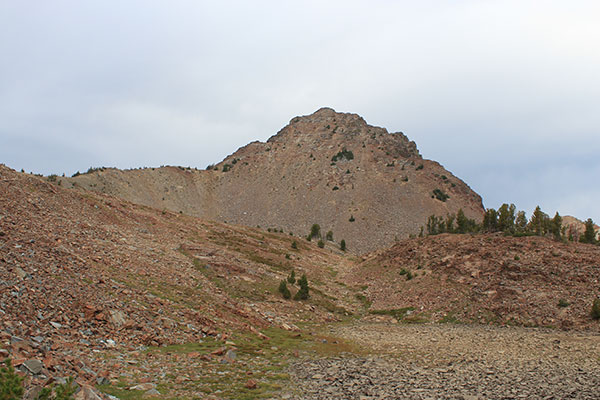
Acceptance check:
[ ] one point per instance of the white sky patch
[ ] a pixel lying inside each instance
(498, 92)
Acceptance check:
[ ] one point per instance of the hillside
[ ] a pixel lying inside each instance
(86, 277)
(139, 302)
(325, 168)
(484, 278)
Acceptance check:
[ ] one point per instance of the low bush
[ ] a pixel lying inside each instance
(283, 289)
(596, 309)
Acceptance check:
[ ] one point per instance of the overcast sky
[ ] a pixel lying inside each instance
(504, 94)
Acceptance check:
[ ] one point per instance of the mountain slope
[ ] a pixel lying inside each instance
(327, 168)
(485, 278)
(83, 273)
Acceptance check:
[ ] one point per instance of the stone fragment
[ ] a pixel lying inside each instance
(117, 317)
(251, 384)
(143, 386)
(87, 393)
(34, 366)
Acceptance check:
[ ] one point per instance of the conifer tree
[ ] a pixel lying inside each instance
(538, 222)
(589, 236)
(521, 222)
(556, 226)
(462, 222)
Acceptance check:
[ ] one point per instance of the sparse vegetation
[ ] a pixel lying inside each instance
(302, 293)
(292, 278)
(344, 154)
(562, 303)
(589, 236)
(315, 231)
(596, 309)
(11, 384)
(283, 289)
(440, 195)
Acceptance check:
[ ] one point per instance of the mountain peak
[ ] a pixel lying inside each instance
(329, 115)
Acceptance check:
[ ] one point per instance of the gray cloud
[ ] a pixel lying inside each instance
(504, 94)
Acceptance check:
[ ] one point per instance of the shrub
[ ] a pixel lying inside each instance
(343, 245)
(315, 231)
(302, 294)
(351, 218)
(11, 384)
(294, 245)
(292, 277)
(440, 195)
(562, 303)
(283, 289)
(348, 155)
(409, 276)
(226, 167)
(329, 236)
(320, 243)
(596, 309)
(419, 167)
(336, 188)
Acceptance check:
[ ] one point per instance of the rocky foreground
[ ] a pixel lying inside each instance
(457, 362)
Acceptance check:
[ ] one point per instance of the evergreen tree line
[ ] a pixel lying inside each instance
(512, 222)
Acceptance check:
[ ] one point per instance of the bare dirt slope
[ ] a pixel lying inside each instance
(484, 278)
(327, 168)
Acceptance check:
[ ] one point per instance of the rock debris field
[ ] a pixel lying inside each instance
(456, 362)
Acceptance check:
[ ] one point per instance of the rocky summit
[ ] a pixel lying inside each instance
(366, 185)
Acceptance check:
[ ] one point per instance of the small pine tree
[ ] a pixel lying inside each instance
(521, 222)
(450, 223)
(321, 243)
(556, 226)
(329, 236)
(343, 245)
(506, 217)
(65, 391)
(596, 309)
(351, 218)
(292, 278)
(11, 384)
(539, 222)
(462, 222)
(315, 231)
(589, 236)
(294, 245)
(283, 289)
(490, 220)
(302, 294)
